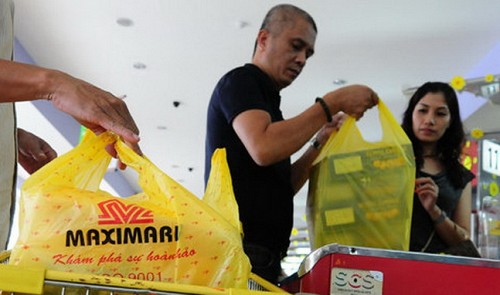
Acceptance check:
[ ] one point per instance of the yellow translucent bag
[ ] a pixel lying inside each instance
(360, 192)
(164, 233)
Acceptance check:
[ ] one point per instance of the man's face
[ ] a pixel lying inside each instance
(287, 52)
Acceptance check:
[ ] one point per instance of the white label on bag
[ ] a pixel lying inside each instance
(339, 216)
(348, 165)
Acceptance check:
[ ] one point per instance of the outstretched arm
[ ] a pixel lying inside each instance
(91, 106)
(270, 142)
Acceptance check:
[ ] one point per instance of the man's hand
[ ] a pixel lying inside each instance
(96, 109)
(327, 129)
(353, 100)
(91, 106)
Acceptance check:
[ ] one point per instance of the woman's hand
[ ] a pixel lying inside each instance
(427, 191)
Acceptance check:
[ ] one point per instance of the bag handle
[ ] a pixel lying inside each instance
(390, 126)
(152, 180)
(70, 171)
(349, 129)
(219, 194)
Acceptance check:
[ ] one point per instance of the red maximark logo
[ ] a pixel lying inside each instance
(116, 212)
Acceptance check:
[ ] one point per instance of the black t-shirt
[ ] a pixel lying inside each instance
(422, 226)
(264, 194)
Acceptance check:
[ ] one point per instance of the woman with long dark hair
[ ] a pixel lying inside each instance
(442, 203)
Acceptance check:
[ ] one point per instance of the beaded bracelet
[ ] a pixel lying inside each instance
(325, 108)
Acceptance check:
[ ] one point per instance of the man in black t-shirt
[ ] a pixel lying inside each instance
(244, 117)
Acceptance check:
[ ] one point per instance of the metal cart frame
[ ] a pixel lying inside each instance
(22, 280)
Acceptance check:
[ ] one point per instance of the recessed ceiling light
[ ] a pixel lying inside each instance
(339, 82)
(139, 66)
(242, 24)
(124, 22)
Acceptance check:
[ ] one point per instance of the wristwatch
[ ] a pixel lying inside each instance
(441, 218)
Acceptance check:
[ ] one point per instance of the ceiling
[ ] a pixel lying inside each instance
(184, 47)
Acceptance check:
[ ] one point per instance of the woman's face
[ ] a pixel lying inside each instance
(431, 117)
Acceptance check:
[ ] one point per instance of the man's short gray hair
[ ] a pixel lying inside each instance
(282, 14)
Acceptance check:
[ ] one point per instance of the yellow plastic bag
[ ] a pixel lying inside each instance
(163, 234)
(360, 192)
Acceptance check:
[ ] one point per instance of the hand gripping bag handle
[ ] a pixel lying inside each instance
(349, 137)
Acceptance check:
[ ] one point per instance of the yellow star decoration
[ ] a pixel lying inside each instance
(467, 162)
(489, 78)
(493, 189)
(458, 83)
(476, 133)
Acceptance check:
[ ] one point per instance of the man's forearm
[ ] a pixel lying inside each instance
(301, 168)
(23, 82)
